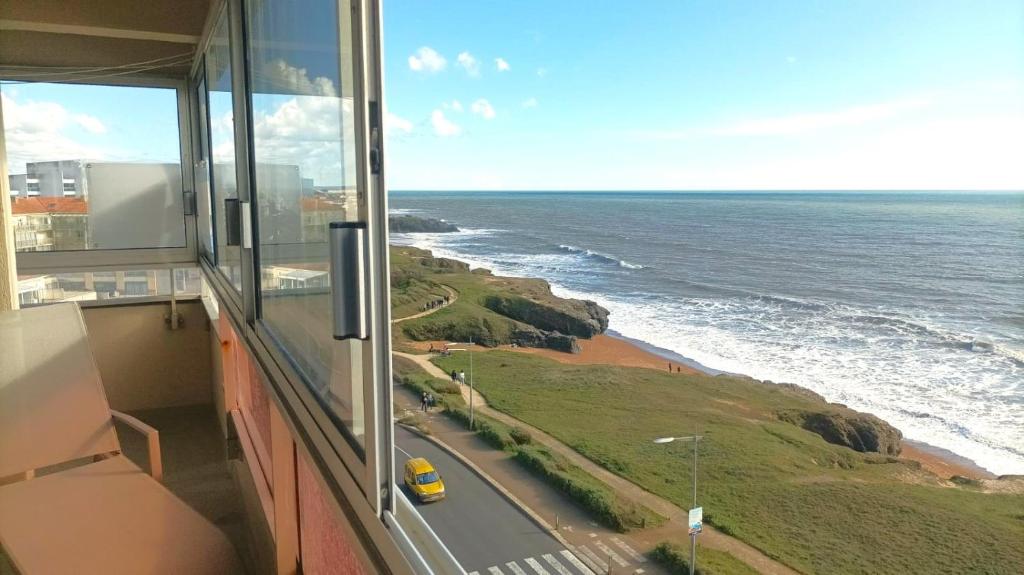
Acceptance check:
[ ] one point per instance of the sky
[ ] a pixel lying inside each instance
(651, 95)
(705, 95)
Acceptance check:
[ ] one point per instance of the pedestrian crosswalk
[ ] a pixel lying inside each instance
(597, 557)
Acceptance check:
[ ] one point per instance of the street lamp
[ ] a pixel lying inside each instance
(693, 534)
(470, 350)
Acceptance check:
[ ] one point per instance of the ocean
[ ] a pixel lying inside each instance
(906, 305)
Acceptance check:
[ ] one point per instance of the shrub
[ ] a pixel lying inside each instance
(673, 558)
(676, 560)
(521, 436)
(594, 496)
(494, 433)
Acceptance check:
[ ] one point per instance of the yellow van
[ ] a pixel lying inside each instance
(423, 480)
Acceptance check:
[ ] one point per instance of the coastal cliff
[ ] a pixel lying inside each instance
(489, 310)
(416, 224)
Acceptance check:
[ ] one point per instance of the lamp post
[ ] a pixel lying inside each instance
(693, 535)
(471, 394)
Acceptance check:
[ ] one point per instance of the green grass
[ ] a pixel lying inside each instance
(593, 495)
(596, 497)
(817, 507)
(415, 276)
(676, 560)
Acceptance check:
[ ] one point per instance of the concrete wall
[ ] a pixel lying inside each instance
(146, 365)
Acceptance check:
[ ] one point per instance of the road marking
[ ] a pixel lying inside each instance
(629, 550)
(537, 566)
(407, 454)
(556, 564)
(515, 568)
(611, 553)
(596, 563)
(638, 572)
(575, 562)
(473, 573)
(495, 571)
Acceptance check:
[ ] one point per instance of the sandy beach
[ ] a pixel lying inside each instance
(610, 350)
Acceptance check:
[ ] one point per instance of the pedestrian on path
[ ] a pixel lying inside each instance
(423, 402)
(670, 367)
(462, 377)
(455, 376)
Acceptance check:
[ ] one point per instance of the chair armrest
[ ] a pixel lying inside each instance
(156, 468)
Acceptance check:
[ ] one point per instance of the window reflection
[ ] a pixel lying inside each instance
(84, 175)
(302, 108)
(222, 146)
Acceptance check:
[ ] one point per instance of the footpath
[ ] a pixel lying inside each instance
(452, 296)
(573, 524)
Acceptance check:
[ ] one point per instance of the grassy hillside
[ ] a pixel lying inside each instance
(818, 507)
(490, 310)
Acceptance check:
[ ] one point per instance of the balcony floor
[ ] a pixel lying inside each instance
(195, 464)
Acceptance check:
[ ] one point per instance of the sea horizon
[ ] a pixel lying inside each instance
(915, 363)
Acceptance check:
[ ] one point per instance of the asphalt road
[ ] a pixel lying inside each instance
(479, 526)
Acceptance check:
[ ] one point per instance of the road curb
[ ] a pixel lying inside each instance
(533, 515)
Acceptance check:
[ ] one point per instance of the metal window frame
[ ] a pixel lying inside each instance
(360, 481)
(152, 258)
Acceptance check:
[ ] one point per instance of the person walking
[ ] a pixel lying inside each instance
(670, 367)
(423, 402)
(455, 376)
(462, 377)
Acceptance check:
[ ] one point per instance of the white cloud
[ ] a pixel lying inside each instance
(541, 72)
(501, 65)
(530, 103)
(483, 108)
(791, 59)
(796, 124)
(393, 124)
(279, 77)
(426, 59)
(804, 123)
(470, 64)
(309, 132)
(36, 131)
(92, 124)
(454, 105)
(443, 126)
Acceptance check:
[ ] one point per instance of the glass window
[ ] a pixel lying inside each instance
(93, 286)
(304, 151)
(222, 147)
(101, 166)
(201, 145)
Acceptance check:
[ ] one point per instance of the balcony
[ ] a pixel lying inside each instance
(203, 309)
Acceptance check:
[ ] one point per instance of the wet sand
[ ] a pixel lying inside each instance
(611, 351)
(942, 462)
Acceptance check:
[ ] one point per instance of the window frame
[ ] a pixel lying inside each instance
(184, 256)
(364, 485)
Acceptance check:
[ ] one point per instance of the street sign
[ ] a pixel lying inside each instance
(696, 519)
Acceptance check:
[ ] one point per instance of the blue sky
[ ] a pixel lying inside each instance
(63, 122)
(705, 95)
(644, 95)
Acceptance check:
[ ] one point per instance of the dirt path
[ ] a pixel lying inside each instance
(711, 537)
(453, 295)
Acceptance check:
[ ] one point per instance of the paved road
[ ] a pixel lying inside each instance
(484, 531)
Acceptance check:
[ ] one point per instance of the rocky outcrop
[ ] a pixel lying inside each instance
(859, 431)
(532, 337)
(581, 318)
(415, 224)
(443, 265)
